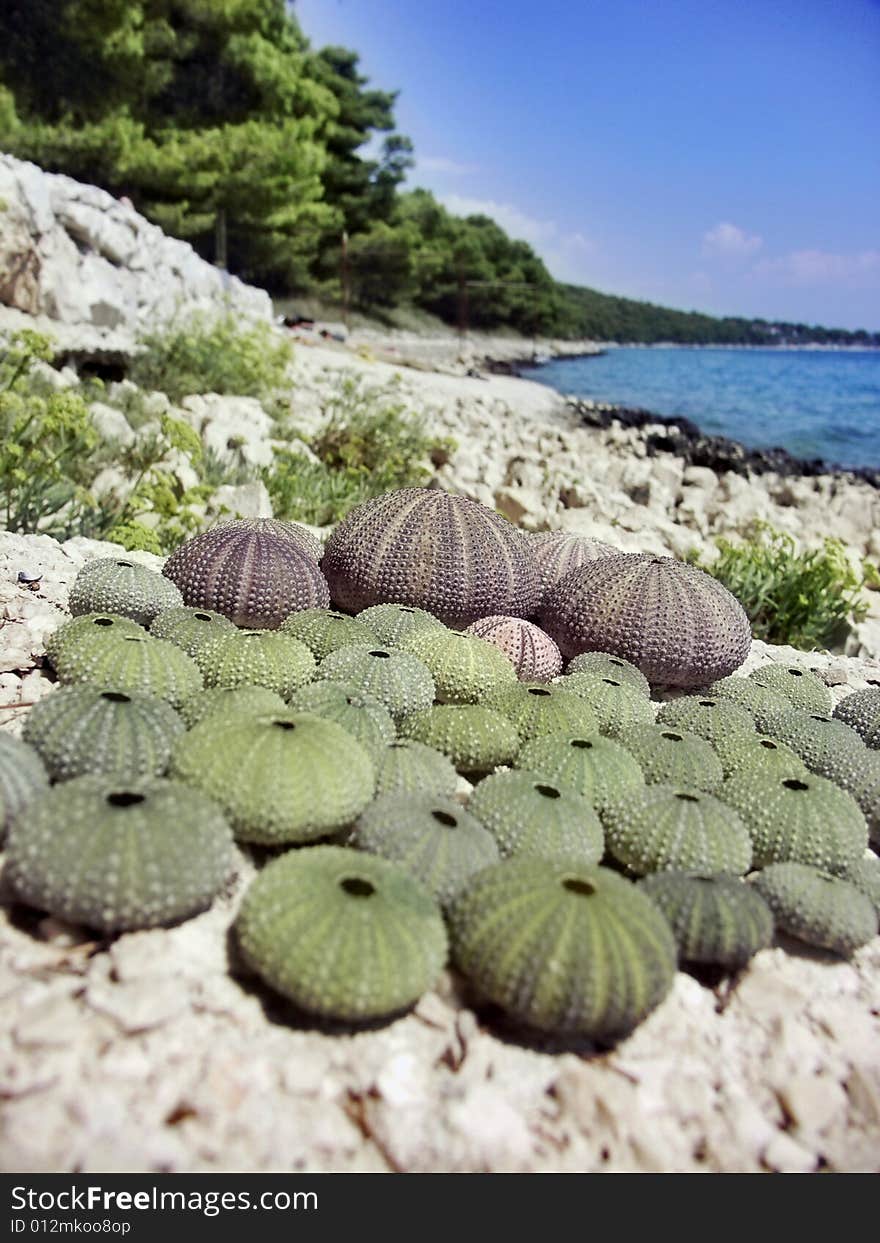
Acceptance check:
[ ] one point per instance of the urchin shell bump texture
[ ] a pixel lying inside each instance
(673, 756)
(861, 711)
(410, 767)
(475, 738)
(617, 705)
(715, 720)
(606, 665)
(359, 714)
(758, 753)
(325, 630)
(397, 679)
(563, 948)
(465, 669)
(129, 662)
(560, 552)
(266, 658)
(714, 919)
(390, 623)
(229, 701)
(87, 626)
(680, 626)
(115, 585)
(435, 839)
(538, 710)
(528, 815)
(255, 571)
(675, 828)
(797, 819)
(816, 907)
(828, 747)
(119, 855)
(447, 554)
(79, 730)
(285, 777)
(343, 935)
(599, 769)
(766, 706)
(533, 654)
(23, 777)
(796, 683)
(189, 628)
(865, 875)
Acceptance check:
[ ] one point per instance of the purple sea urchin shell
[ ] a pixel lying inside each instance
(534, 655)
(427, 548)
(560, 552)
(255, 571)
(680, 626)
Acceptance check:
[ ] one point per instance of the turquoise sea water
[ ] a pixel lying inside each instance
(814, 404)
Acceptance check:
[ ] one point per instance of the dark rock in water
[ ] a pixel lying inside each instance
(684, 438)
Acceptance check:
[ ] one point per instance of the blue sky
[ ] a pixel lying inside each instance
(714, 154)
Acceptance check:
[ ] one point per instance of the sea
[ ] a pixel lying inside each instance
(814, 403)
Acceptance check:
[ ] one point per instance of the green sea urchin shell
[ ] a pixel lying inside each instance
(560, 552)
(119, 855)
(390, 623)
(475, 738)
(562, 947)
(829, 748)
(409, 767)
(605, 665)
(865, 875)
(114, 585)
(816, 907)
(359, 714)
(281, 778)
(230, 701)
(599, 769)
(714, 919)
(527, 815)
(617, 705)
(766, 706)
(861, 780)
(256, 658)
(676, 829)
(861, 711)
(465, 669)
(680, 626)
(797, 684)
(324, 631)
(255, 571)
(533, 654)
(344, 935)
(797, 819)
(427, 548)
(435, 839)
(23, 778)
(189, 628)
(397, 679)
(715, 720)
(80, 730)
(130, 662)
(87, 626)
(538, 710)
(673, 757)
(758, 753)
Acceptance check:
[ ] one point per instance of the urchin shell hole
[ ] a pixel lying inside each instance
(792, 783)
(610, 682)
(707, 703)
(382, 655)
(768, 744)
(795, 673)
(125, 798)
(126, 565)
(202, 617)
(134, 638)
(538, 690)
(103, 621)
(357, 887)
(582, 744)
(445, 818)
(116, 697)
(574, 884)
(548, 791)
(284, 724)
(672, 737)
(687, 798)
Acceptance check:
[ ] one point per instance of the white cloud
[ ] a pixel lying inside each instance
(728, 241)
(442, 164)
(821, 267)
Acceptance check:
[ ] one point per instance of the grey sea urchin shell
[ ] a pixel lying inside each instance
(115, 585)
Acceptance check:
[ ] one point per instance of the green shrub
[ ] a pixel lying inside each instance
(210, 354)
(807, 599)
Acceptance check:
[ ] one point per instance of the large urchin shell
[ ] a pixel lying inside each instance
(80, 730)
(114, 585)
(435, 839)
(758, 753)
(270, 658)
(130, 662)
(796, 683)
(324, 631)
(663, 828)
(816, 907)
(528, 815)
(617, 705)
(475, 738)
(797, 819)
(766, 706)
(680, 626)
(189, 628)
(85, 627)
(599, 769)
(828, 747)
(397, 679)
(560, 552)
(358, 713)
(861, 711)
(715, 720)
(255, 571)
(281, 778)
(410, 767)
(344, 935)
(465, 669)
(118, 855)
(537, 710)
(447, 554)
(23, 778)
(563, 947)
(670, 756)
(533, 654)
(714, 919)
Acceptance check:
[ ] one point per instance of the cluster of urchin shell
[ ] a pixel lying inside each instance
(596, 841)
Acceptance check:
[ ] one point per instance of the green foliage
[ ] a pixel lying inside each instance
(210, 354)
(369, 445)
(806, 599)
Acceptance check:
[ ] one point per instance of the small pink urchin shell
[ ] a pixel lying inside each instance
(533, 653)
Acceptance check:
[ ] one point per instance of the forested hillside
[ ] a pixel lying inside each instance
(221, 122)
